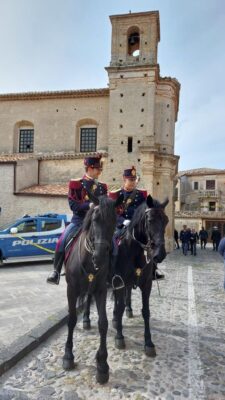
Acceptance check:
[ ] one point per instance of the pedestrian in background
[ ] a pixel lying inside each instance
(185, 237)
(216, 237)
(193, 241)
(221, 250)
(203, 236)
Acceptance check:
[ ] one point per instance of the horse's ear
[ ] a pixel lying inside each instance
(149, 201)
(166, 201)
(119, 200)
(93, 198)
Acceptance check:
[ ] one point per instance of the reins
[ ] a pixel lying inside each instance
(89, 247)
(146, 247)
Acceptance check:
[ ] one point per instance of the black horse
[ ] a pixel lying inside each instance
(141, 248)
(86, 273)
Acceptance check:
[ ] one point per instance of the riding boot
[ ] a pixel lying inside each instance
(155, 273)
(117, 280)
(54, 276)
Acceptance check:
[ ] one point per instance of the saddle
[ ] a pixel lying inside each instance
(70, 242)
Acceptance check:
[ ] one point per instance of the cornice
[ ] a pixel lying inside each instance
(65, 94)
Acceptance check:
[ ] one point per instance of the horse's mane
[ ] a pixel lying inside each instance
(106, 208)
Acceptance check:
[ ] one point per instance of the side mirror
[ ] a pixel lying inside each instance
(13, 231)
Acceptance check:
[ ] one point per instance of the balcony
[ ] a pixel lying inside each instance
(209, 194)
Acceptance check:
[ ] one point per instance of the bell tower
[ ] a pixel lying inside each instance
(143, 107)
(135, 39)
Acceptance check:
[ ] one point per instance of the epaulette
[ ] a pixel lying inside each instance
(75, 183)
(103, 184)
(113, 194)
(144, 192)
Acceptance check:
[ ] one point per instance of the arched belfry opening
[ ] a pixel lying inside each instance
(133, 42)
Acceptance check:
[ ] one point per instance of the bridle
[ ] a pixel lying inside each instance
(148, 247)
(90, 247)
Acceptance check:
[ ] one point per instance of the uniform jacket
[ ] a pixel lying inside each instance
(131, 201)
(78, 196)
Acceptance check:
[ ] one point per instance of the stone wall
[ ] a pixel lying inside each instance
(55, 122)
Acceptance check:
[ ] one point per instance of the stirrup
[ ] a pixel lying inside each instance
(158, 276)
(121, 286)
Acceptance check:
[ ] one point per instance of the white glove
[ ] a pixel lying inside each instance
(126, 222)
(91, 204)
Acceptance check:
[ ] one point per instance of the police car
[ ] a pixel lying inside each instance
(31, 238)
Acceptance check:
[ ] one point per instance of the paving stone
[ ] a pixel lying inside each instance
(188, 330)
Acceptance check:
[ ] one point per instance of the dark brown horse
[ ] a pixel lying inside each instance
(86, 273)
(143, 245)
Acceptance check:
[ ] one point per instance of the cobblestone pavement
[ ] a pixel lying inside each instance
(188, 331)
(26, 299)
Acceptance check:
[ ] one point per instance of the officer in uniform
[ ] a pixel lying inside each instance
(79, 203)
(133, 198)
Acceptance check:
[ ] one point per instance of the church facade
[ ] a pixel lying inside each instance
(44, 136)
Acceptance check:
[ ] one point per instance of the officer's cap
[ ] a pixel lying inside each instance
(130, 173)
(93, 161)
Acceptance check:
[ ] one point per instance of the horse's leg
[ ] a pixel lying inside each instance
(102, 375)
(68, 358)
(149, 345)
(129, 311)
(86, 315)
(114, 320)
(119, 310)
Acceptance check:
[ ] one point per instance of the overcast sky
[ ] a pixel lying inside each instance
(65, 44)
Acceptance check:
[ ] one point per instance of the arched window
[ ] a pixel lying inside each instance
(133, 42)
(24, 137)
(86, 140)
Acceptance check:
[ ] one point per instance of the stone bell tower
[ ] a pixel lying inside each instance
(143, 108)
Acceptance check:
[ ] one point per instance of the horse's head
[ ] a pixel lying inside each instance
(102, 221)
(155, 224)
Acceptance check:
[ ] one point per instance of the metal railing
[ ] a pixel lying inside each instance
(209, 194)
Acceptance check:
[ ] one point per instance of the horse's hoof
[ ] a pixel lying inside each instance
(68, 364)
(150, 351)
(120, 343)
(129, 314)
(102, 377)
(114, 323)
(87, 325)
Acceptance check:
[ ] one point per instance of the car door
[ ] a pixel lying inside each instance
(22, 243)
(49, 231)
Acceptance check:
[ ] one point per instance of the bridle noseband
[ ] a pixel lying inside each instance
(148, 246)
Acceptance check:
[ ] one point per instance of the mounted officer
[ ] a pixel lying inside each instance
(133, 198)
(79, 202)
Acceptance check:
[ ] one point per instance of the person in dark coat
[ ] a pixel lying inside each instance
(185, 238)
(79, 202)
(193, 241)
(221, 250)
(203, 236)
(216, 237)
